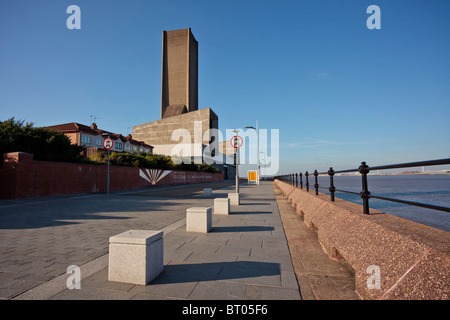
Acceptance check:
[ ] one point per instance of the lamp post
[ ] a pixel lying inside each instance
(236, 159)
(257, 151)
(264, 157)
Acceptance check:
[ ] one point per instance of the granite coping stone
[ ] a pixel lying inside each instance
(413, 259)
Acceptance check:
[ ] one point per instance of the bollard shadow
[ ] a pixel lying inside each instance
(220, 195)
(241, 229)
(213, 271)
(66, 210)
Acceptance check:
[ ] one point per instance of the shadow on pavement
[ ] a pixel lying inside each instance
(241, 229)
(180, 273)
(250, 212)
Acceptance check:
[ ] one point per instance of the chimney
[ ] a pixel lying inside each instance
(94, 126)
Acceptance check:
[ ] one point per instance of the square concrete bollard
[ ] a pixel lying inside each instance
(198, 219)
(222, 206)
(234, 199)
(136, 256)
(207, 192)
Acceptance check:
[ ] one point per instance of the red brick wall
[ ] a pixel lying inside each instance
(23, 177)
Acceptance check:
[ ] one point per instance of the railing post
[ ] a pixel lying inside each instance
(296, 180)
(316, 184)
(332, 188)
(301, 181)
(365, 194)
(307, 182)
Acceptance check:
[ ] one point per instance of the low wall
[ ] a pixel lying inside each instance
(23, 177)
(393, 258)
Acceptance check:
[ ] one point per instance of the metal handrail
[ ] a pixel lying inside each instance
(296, 180)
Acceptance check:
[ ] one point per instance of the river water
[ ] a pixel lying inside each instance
(429, 189)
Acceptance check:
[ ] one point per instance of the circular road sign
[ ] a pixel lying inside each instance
(236, 142)
(108, 143)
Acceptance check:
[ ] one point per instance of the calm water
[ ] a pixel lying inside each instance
(429, 189)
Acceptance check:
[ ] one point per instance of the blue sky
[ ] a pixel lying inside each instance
(338, 92)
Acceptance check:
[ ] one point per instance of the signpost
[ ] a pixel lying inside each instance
(257, 150)
(108, 143)
(236, 142)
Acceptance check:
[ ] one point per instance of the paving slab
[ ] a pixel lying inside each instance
(261, 251)
(244, 256)
(319, 277)
(41, 237)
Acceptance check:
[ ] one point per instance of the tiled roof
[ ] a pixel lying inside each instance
(130, 139)
(78, 127)
(73, 127)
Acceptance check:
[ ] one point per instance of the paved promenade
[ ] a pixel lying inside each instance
(244, 256)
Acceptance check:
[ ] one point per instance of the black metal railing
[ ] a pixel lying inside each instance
(297, 180)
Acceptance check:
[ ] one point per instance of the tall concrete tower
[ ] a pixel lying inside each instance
(179, 101)
(179, 85)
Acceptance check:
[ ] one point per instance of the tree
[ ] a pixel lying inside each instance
(44, 144)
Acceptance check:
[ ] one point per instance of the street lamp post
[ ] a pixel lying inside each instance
(257, 151)
(236, 159)
(264, 157)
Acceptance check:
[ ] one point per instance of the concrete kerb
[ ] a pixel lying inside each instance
(319, 277)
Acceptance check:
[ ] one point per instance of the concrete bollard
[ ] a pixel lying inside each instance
(207, 192)
(198, 219)
(222, 206)
(234, 199)
(136, 256)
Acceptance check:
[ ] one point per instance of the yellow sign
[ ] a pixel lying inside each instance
(252, 176)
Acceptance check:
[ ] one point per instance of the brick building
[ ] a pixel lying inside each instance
(92, 138)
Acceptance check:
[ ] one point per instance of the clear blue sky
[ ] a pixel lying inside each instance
(338, 92)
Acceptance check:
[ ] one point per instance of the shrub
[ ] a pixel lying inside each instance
(44, 144)
(147, 160)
